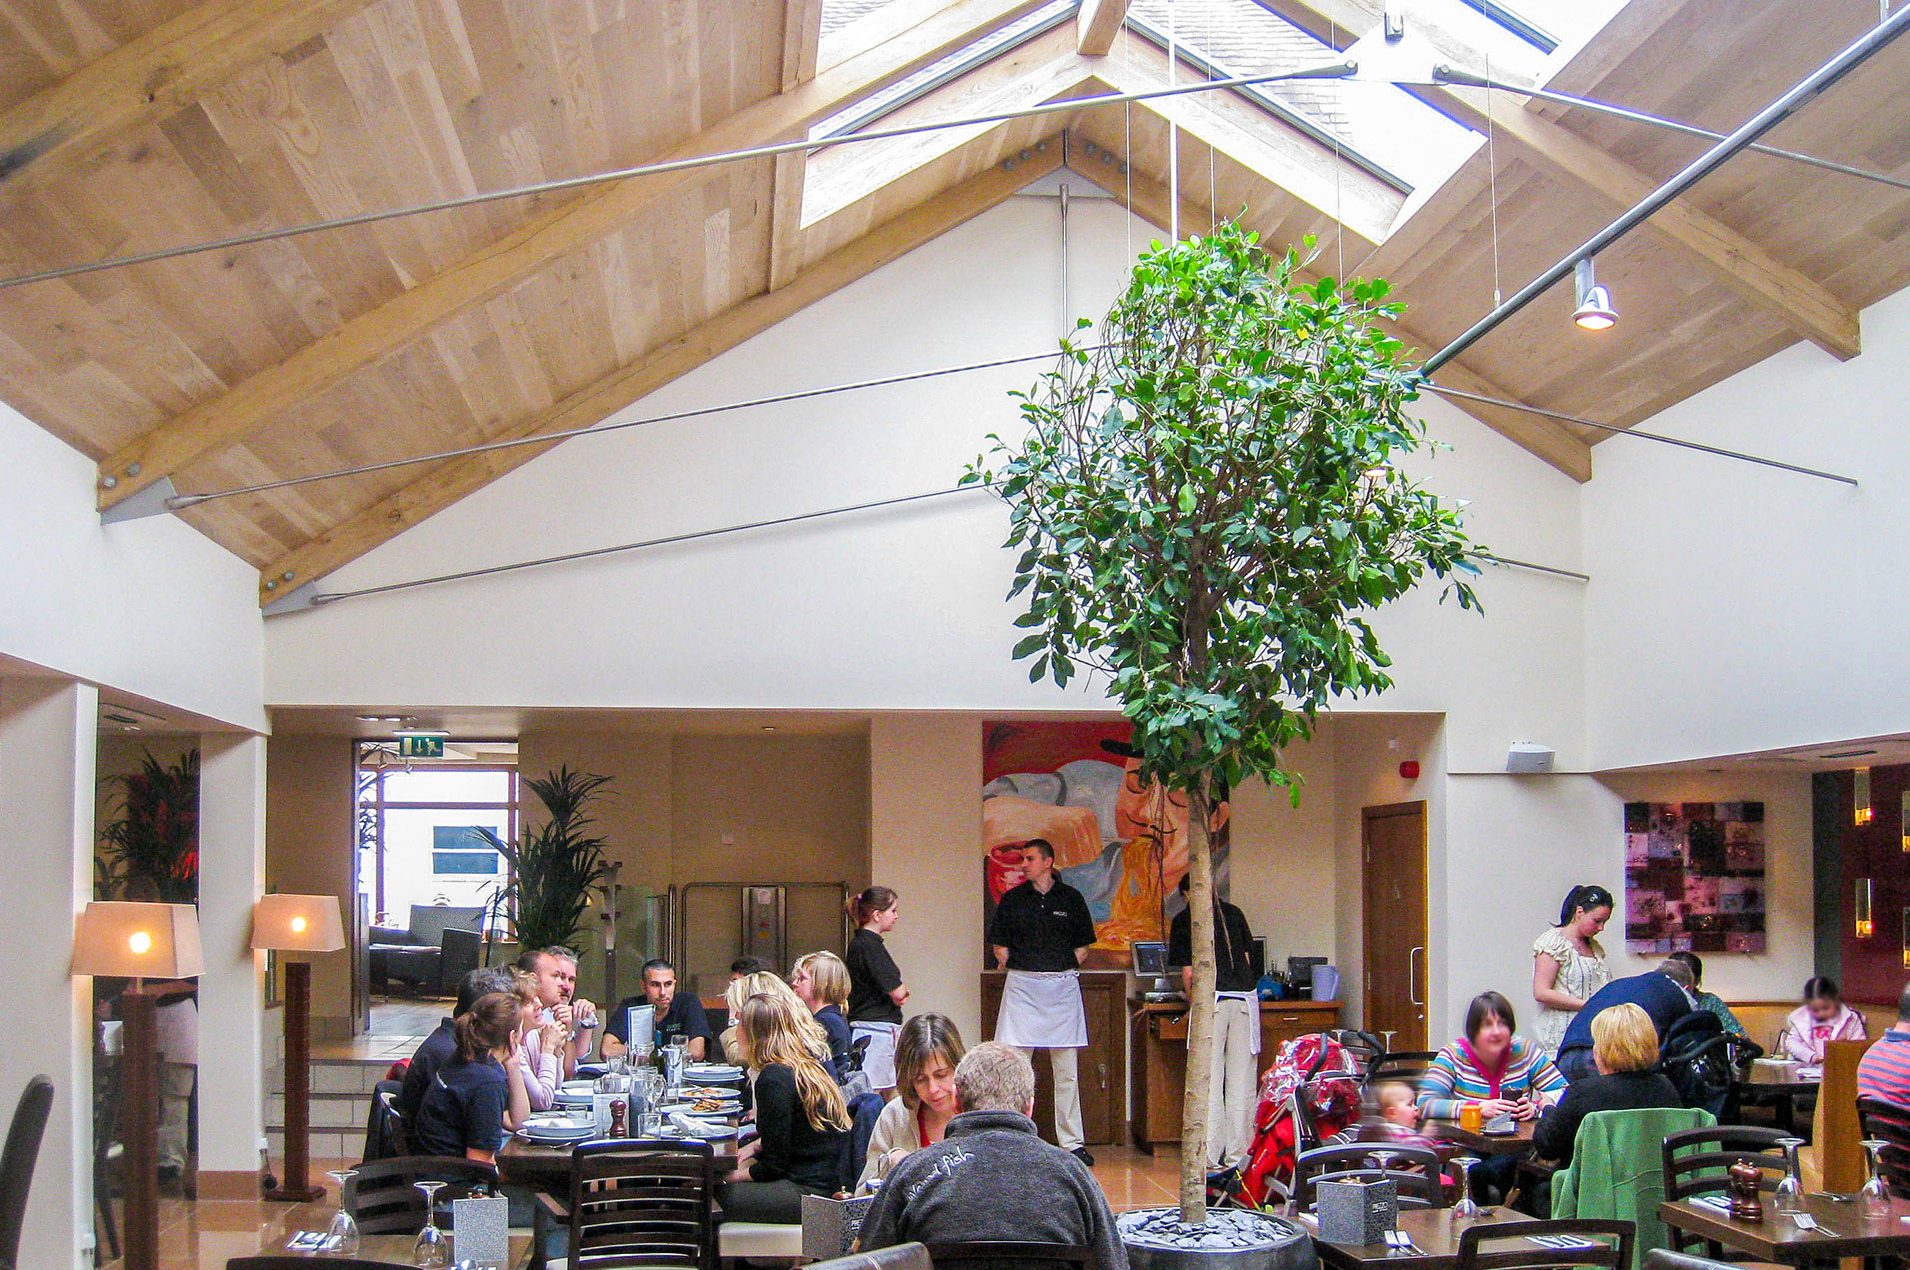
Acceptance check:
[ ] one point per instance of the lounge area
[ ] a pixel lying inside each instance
(954, 634)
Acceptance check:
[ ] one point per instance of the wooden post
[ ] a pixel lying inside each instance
(139, 1125)
(296, 1186)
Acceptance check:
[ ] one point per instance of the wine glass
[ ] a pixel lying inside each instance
(1874, 1199)
(433, 1249)
(341, 1237)
(1789, 1195)
(1465, 1209)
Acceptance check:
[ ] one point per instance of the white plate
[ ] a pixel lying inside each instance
(713, 1071)
(714, 1133)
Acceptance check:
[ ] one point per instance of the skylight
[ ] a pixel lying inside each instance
(1548, 24)
(837, 14)
(1383, 129)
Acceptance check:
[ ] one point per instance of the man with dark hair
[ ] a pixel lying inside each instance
(555, 971)
(743, 967)
(1041, 932)
(677, 1013)
(1664, 993)
(1233, 1085)
(1884, 1070)
(443, 1043)
(992, 1178)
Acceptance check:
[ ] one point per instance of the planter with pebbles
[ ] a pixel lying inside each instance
(1230, 1239)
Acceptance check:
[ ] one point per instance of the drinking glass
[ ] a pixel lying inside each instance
(1789, 1196)
(433, 1249)
(1465, 1209)
(341, 1237)
(1874, 1199)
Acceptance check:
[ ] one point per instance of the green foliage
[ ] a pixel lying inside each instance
(555, 865)
(150, 849)
(1208, 507)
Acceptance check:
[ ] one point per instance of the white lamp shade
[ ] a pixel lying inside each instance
(138, 941)
(297, 923)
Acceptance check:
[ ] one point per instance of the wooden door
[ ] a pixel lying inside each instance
(1396, 968)
(1101, 1068)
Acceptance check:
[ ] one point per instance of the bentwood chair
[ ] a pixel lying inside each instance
(981, 1253)
(1407, 1066)
(1889, 1122)
(1414, 1169)
(642, 1203)
(1695, 1161)
(22, 1152)
(1606, 1244)
(382, 1198)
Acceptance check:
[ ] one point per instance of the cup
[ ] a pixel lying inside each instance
(1471, 1117)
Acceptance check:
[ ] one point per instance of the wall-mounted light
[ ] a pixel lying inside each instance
(1906, 939)
(1594, 311)
(1862, 814)
(1865, 926)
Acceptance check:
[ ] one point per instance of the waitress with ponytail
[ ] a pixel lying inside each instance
(1568, 965)
(876, 991)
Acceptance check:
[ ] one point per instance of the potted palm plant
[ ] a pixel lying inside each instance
(150, 848)
(1207, 506)
(552, 868)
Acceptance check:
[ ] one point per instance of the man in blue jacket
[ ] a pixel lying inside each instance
(1664, 994)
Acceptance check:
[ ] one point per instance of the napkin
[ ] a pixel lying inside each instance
(691, 1127)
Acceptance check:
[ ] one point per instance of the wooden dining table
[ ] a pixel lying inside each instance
(1518, 1142)
(1845, 1231)
(1435, 1231)
(1782, 1084)
(395, 1248)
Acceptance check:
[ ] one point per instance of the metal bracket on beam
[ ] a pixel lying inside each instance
(297, 600)
(154, 500)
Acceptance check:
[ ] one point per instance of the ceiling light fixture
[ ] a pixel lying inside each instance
(1594, 311)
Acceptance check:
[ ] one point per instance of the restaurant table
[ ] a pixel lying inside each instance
(1782, 1083)
(1435, 1230)
(1518, 1142)
(288, 1221)
(539, 1167)
(1846, 1231)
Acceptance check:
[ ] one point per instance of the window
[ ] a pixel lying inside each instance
(415, 830)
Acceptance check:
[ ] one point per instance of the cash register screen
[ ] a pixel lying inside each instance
(1150, 957)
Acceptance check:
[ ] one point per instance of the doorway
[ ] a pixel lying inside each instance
(1397, 974)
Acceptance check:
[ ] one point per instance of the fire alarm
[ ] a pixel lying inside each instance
(1409, 770)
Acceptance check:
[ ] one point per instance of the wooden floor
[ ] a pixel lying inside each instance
(203, 1235)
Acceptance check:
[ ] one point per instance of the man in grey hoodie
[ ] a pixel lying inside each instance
(992, 1178)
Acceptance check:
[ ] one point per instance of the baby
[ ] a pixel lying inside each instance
(1397, 1106)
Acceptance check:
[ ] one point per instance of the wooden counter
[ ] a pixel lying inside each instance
(1157, 1033)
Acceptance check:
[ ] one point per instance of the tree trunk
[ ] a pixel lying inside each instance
(1200, 1030)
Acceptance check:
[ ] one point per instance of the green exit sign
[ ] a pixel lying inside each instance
(420, 747)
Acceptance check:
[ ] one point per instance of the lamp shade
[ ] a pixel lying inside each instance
(297, 923)
(138, 941)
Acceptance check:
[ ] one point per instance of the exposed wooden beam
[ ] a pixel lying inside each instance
(445, 485)
(1550, 441)
(1734, 258)
(1096, 25)
(250, 404)
(802, 35)
(150, 78)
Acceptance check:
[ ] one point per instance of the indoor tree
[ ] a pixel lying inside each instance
(1208, 507)
(554, 866)
(150, 848)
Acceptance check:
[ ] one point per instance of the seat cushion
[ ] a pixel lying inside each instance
(758, 1239)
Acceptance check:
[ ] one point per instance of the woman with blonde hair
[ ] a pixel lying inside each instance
(926, 1053)
(821, 981)
(1625, 1051)
(768, 983)
(801, 1119)
(540, 1046)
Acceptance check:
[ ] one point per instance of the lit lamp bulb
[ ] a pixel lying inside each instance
(298, 925)
(140, 942)
(1594, 311)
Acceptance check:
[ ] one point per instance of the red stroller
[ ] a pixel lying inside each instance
(1311, 1092)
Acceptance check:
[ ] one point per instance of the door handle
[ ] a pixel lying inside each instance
(1412, 974)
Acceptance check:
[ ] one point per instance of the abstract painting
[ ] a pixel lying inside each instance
(1694, 877)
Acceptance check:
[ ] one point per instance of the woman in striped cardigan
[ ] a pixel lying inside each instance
(1502, 1072)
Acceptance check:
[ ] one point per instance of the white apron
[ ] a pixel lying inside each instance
(1041, 1010)
(1253, 1017)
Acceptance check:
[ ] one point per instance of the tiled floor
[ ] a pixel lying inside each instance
(397, 1028)
(205, 1234)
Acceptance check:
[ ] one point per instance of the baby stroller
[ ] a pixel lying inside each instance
(1311, 1092)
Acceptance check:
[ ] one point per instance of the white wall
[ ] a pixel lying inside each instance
(1738, 608)
(150, 607)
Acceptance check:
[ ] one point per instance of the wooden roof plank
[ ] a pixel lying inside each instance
(1096, 25)
(374, 335)
(457, 478)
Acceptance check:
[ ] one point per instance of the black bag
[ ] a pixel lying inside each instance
(1695, 1055)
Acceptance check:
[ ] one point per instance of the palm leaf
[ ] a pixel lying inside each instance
(553, 867)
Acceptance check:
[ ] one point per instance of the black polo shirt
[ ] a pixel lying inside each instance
(463, 1108)
(685, 1018)
(1041, 931)
(1233, 947)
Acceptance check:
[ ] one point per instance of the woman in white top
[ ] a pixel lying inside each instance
(539, 1052)
(926, 1052)
(1567, 963)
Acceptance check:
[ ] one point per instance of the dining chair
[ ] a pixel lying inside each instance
(1605, 1243)
(642, 1203)
(1401, 1065)
(1665, 1259)
(894, 1257)
(1889, 1122)
(1414, 1169)
(17, 1161)
(383, 1199)
(299, 1261)
(1695, 1161)
(975, 1254)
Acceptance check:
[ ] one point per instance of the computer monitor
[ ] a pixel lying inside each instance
(1259, 957)
(1150, 957)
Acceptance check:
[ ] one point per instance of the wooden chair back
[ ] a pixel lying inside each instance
(17, 1162)
(1415, 1170)
(1889, 1123)
(1695, 1164)
(382, 1199)
(981, 1253)
(642, 1202)
(1607, 1245)
(1407, 1066)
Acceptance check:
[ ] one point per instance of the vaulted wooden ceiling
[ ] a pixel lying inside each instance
(132, 125)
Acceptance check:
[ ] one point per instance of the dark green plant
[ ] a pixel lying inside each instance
(554, 866)
(150, 849)
(1208, 507)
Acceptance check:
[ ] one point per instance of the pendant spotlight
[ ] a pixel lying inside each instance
(1594, 311)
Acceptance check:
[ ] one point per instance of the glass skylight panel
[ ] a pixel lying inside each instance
(837, 14)
(1547, 24)
(1384, 129)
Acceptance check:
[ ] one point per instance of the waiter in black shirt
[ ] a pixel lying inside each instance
(1231, 1090)
(1040, 934)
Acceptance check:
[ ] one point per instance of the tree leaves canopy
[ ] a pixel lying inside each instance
(1208, 505)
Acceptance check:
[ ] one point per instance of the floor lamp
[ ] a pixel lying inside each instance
(297, 924)
(139, 941)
